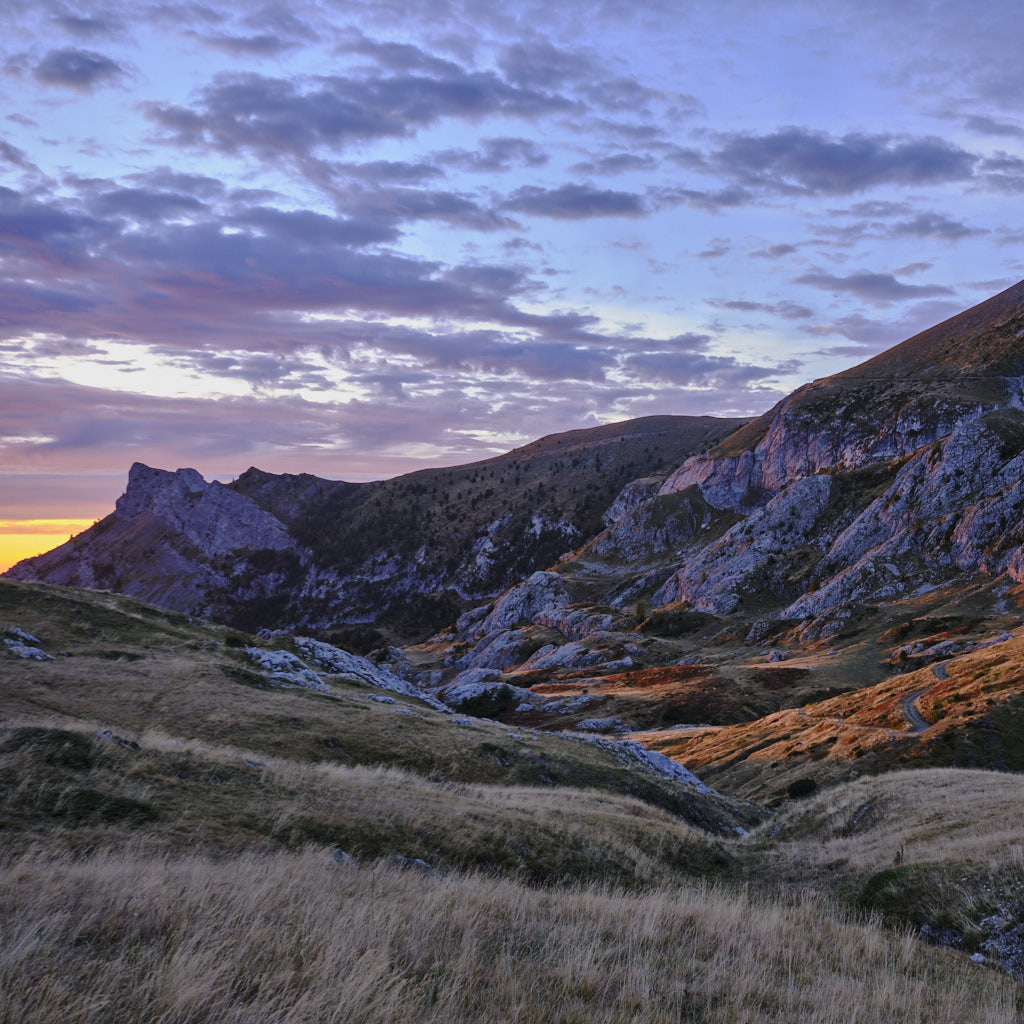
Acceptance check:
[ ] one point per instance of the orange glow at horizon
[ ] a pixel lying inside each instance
(22, 538)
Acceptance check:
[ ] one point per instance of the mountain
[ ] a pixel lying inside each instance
(792, 562)
(406, 555)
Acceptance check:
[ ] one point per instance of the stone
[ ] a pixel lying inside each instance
(22, 650)
(602, 725)
(538, 593)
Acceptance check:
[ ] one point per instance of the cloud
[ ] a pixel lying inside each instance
(76, 69)
(575, 202)
(617, 163)
(391, 205)
(717, 248)
(397, 172)
(934, 225)
(146, 204)
(540, 64)
(798, 160)
(305, 229)
(403, 57)
(248, 277)
(696, 369)
(786, 309)
(165, 179)
(264, 44)
(1003, 172)
(500, 154)
(711, 201)
(879, 289)
(275, 117)
(874, 209)
(775, 252)
(981, 124)
(87, 26)
(871, 336)
(11, 154)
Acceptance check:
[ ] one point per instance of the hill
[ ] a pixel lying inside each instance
(365, 563)
(194, 830)
(887, 498)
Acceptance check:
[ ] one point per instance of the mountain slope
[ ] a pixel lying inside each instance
(408, 554)
(269, 851)
(873, 502)
(865, 485)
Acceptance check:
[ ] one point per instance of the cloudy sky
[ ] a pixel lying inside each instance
(356, 237)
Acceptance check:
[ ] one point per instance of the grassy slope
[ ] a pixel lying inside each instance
(193, 877)
(975, 715)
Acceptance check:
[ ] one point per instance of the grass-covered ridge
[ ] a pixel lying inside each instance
(182, 841)
(295, 937)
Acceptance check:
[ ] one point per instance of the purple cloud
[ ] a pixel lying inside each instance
(272, 117)
(797, 160)
(879, 289)
(76, 69)
(575, 202)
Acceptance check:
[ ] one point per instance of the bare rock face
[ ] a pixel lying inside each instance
(746, 555)
(541, 592)
(660, 523)
(210, 516)
(174, 540)
(633, 495)
(798, 442)
(576, 623)
(954, 505)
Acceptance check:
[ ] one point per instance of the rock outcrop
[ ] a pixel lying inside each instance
(879, 483)
(407, 555)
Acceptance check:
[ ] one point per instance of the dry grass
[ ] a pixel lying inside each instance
(135, 670)
(61, 791)
(293, 938)
(976, 715)
(936, 847)
(936, 814)
(190, 878)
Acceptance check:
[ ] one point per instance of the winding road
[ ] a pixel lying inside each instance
(909, 704)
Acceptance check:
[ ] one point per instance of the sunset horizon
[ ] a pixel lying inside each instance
(329, 240)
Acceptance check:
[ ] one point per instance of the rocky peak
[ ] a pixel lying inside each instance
(208, 515)
(884, 409)
(156, 490)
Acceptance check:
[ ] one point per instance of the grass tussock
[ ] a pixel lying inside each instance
(292, 938)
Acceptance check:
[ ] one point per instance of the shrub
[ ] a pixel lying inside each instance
(801, 788)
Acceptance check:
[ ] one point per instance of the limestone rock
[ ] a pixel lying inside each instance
(540, 592)
(576, 623)
(499, 650)
(632, 496)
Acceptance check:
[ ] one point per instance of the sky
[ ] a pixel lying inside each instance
(360, 237)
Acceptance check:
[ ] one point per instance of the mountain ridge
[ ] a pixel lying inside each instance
(408, 553)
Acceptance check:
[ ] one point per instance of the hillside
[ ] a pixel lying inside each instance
(365, 562)
(193, 833)
(879, 500)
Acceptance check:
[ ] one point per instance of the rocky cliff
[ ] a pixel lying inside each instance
(404, 555)
(864, 491)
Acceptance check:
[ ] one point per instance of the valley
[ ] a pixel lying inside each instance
(164, 798)
(675, 670)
